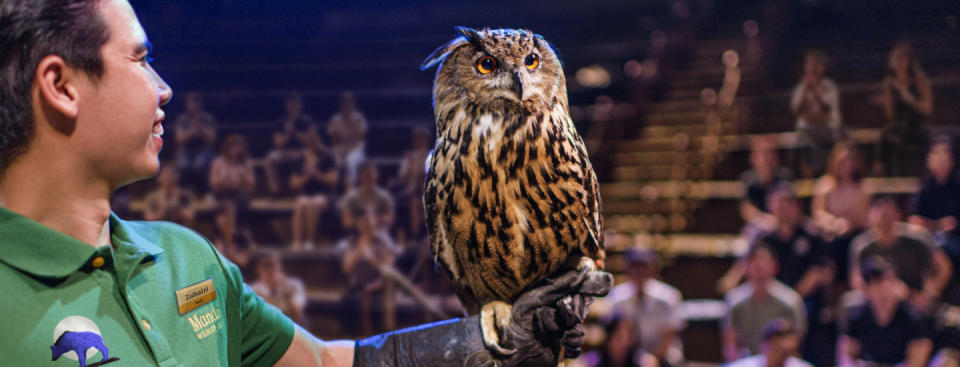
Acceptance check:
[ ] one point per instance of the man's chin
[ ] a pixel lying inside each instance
(142, 172)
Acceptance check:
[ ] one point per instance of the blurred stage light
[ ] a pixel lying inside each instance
(633, 68)
(593, 76)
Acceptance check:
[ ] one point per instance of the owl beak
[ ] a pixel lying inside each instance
(518, 84)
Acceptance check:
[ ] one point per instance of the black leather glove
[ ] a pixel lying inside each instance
(544, 320)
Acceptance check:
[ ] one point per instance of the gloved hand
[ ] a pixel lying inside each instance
(551, 316)
(544, 319)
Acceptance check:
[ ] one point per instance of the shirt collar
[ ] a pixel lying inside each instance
(42, 251)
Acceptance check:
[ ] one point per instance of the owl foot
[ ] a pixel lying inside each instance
(494, 318)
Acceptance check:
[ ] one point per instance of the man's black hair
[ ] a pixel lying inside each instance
(29, 31)
(875, 268)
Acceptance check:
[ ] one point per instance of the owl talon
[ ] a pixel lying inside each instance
(494, 319)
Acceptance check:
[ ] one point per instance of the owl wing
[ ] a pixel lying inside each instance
(437, 189)
(591, 212)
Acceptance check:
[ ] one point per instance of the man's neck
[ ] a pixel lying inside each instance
(775, 359)
(760, 289)
(58, 196)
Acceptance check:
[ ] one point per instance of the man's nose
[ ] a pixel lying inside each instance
(163, 89)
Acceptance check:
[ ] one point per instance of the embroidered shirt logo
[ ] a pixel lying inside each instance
(206, 324)
(77, 338)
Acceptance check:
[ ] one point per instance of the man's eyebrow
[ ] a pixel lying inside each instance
(146, 46)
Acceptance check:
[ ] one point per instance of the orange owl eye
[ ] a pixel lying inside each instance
(532, 61)
(486, 65)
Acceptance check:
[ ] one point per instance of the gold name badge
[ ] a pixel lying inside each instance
(196, 295)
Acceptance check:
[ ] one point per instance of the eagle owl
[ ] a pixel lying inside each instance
(511, 197)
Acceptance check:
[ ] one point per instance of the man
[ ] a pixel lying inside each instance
(764, 174)
(924, 268)
(654, 306)
(780, 344)
(804, 266)
(754, 303)
(79, 117)
(365, 196)
(886, 330)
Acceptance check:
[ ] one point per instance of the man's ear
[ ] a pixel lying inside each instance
(57, 84)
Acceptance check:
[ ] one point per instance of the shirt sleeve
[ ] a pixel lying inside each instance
(265, 332)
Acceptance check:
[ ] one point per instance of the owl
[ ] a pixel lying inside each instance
(510, 195)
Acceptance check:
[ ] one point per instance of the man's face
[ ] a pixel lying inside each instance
(784, 208)
(883, 215)
(786, 344)
(761, 266)
(887, 291)
(119, 121)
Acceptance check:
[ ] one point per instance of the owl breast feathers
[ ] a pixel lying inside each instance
(511, 197)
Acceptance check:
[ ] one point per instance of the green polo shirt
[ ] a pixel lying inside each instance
(59, 295)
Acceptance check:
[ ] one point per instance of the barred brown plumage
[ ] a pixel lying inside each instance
(511, 196)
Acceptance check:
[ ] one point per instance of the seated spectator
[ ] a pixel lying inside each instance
(923, 268)
(621, 348)
(754, 303)
(654, 305)
(316, 181)
(886, 330)
(295, 130)
(409, 190)
(366, 250)
(232, 241)
(907, 104)
(937, 207)
(348, 135)
(805, 266)
(368, 194)
(196, 137)
(765, 173)
(231, 176)
(780, 344)
(279, 289)
(170, 202)
(816, 104)
(840, 204)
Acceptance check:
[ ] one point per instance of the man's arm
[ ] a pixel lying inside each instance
(307, 351)
(848, 350)
(918, 351)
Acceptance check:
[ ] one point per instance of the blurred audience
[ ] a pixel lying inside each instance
(922, 267)
(409, 187)
(347, 130)
(765, 173)
(622, 348)
(169, 202)
(316, 181)
(780, 346)
(231, 175)
(236, 243)
(756, 302)
(295, 130)
(886, 330)
(196, 138)
(367, 195)
(816, 105)
(907, 103)
(840, 204)
(655, 306)
(365, 252)
(273, 284)
(937, 207)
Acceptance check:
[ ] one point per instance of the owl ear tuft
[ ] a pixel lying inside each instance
(471, 34)
(442, 52)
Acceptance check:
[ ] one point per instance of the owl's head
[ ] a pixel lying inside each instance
(499, 66)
